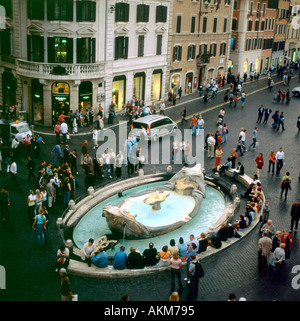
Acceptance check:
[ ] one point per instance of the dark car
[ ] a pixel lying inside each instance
(296, 92)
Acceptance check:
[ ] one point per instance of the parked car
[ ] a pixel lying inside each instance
(296, 92)
(156, 126)
(9, 129)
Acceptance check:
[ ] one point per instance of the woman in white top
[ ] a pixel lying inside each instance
(200, 125)
(75, 127)
(31, 198)
(39, 201)
(175, 150)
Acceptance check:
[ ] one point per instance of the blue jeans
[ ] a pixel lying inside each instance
(193, 129)
(253, 144)
(244, 145)
(199, 130)
(107, 167)
(66, 198)
(224, 137)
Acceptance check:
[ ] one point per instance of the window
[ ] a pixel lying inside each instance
(215, 24)
(35, 48)
(258, 7)
(159, 44)
(248, 44)
(35, 9)
(225, 25)
(60, 49)
(235, 5)
(191, 52)
(86, 11)
(5, 42)
(273, 22)
(223, 49)
(177, 50)
(86, 49)
(256, 28)
(142, 13)
(121, 47)
(204, 24)
(161, 14)
(251, 9)
(178, 24)
(213, 49)
(193, 24)
(121, 12)
(266, 26)
(254, 43)
(264, 9)
(259, 43)
(202, 49)
(262, 27)
(141, 41)
(60, 10)
(234, 24)
(250, 25)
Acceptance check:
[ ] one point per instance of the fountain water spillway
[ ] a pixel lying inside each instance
(156, 212)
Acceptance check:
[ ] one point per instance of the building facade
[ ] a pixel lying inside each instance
(252, 37)
(136, 51)
(63, 55)
(292, 43)
(280, 31)
(199, 39)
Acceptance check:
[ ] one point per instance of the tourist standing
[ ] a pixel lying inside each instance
(272, 161)
(219, 154)
(268, 112)
(279, 157)
(259, 160)
(286, 238)
(65, 288)
(295, 216)
(254, 139)
(285, 185)
(175, 263)
(264, 250)
(211, 146)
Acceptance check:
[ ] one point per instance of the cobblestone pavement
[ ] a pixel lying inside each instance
(30, 270)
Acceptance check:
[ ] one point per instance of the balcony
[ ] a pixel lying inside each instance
(203, 60)
(57, 71)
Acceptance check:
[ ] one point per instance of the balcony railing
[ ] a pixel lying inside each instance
(203, 59)
(54, 70)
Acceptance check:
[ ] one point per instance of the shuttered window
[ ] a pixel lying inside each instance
(35, 48)
(142, 13)
(122, 12)
(161, 14)
(121, 47)
(60, 10)
(85, 11)
(35, 9)
(86, 49)
(60, 49)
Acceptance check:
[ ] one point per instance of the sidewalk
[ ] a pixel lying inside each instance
(48, 130)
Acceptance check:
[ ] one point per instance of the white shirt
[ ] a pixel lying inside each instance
(13, 168)
(200, 122)
(279, 155)
(95, 132)
(162, 106)
(64, 128)
(243, 135)
(106, 158)
(211, 140)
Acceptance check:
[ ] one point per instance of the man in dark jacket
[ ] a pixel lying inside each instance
(295, 216)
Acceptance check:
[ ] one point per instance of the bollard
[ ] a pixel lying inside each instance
(59, 222)
(91, 191)
(71, 205)
(169, 169)
(233, 189)
(141, 173)
(236, 202)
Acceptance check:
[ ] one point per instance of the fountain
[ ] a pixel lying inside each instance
(161, 210)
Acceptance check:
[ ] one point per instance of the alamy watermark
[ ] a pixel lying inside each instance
(2, 17)
(2, 278)
(179, 147)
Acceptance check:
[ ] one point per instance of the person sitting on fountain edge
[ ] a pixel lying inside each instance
(100, 258)
(238, 171)
(150, 255)
(135, 260)
(120, 259)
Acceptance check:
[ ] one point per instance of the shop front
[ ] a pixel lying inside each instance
(156, 85)
(119, 92)
(189, 82)
(139, 85)
(85, 96)
(175, 83)
(60, 99)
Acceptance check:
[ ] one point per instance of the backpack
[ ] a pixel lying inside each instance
(199, 272)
